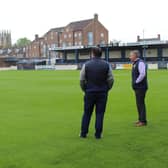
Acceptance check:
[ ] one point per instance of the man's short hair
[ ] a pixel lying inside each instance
(136, 52)
(97, 51)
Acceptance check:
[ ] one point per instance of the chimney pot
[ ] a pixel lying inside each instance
(36, 37)
(96, 17)
(138, 38)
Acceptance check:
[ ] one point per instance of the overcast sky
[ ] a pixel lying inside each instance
(125, 19)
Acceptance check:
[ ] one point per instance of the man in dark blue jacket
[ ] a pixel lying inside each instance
(139, 85)
(96, 80)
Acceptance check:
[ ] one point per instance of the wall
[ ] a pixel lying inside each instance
(151, 53)
(97, 28)
(115, 54)
(165, 52)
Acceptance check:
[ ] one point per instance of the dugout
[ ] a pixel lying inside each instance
(30, 64)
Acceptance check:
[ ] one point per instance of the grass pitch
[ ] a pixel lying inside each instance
(40, 115)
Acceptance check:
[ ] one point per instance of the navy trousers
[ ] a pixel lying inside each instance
(141, 107)
(91, 100)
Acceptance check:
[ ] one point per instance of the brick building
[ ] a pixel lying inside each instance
(80, 33)
(87, 33)
(35, 48)
(52, 37)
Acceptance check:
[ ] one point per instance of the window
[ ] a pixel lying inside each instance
(90, 38)
(65, 36)
(102, 42)
(80, 43)
(70, 35)
(44, 46)
(46, 38)
(102, 35)
(76, 43)
(69, 44)
(44, 50)
(80, 36)
(64, 44)
(75, 34)
(53, 46)
(52, 35)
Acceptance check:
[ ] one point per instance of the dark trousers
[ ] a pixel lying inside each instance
(91, 100)
(141, 107)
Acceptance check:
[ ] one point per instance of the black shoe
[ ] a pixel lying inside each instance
(98, 136)
(82, 136)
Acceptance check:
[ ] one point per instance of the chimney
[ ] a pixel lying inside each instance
(138, 38)
(159, 38)
(96, 17)
(36, 37)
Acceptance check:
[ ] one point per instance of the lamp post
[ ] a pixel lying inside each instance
(144, 46)
(49, 56)
(144, 52)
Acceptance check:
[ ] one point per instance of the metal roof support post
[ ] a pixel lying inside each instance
(76, 56)
(160, 53)
(65, 57)
(107, 54)
(49, 57)
(144, 52)
(123, 55)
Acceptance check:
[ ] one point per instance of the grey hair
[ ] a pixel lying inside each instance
(136, 52)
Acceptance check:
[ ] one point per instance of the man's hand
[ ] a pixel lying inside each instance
(83, 79)
(83, 85)
(110, 83)
(110, 78)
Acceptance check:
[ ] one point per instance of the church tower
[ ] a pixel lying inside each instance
(5, 39)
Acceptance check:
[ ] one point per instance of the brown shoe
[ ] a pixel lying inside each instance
(141, 124)
(137, 122)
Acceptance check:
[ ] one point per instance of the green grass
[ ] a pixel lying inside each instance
(40, 114)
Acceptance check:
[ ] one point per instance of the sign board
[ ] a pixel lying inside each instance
(153, 66)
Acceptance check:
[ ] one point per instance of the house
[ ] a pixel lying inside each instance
(80, 33)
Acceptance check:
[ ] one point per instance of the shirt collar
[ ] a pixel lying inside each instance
(136, 60)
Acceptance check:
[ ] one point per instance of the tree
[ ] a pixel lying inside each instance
(22, 42)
